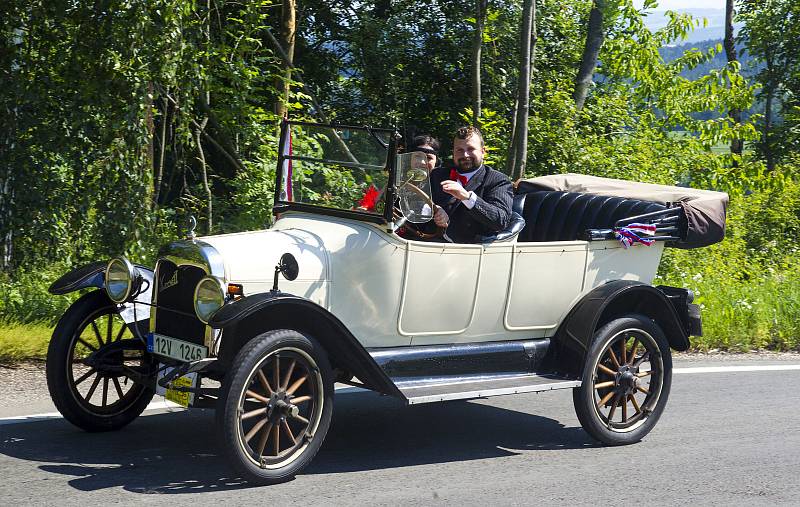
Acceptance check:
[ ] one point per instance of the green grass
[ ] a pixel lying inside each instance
(755, 315)
(23, 341)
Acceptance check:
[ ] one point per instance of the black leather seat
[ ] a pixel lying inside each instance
(515, 226)
(561, 216)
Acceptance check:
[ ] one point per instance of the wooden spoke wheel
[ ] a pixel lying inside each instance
(276, 406)
(626, 381)
(89, 361)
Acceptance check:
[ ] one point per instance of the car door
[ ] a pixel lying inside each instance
(545, 280)
(440, 287)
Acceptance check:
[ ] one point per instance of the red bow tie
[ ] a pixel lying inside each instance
(455, 176)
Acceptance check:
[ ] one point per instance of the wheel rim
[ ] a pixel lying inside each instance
(280, 408)
(100, 392)
(627, 379)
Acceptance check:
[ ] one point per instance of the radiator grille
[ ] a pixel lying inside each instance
(175, 315)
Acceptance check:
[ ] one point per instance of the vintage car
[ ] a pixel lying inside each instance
(261, 325)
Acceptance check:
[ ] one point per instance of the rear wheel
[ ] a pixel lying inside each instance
(276, 406)
(626, 381)
(89, 359)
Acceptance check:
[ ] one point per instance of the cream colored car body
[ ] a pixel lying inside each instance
(392, 292)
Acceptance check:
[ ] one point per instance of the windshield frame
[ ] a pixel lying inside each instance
(388, 197)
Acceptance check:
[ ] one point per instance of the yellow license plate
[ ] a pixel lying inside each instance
(182, 398)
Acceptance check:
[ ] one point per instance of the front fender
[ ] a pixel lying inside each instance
(606, 302)
(89, 275)
(250, 316)
(93, 275)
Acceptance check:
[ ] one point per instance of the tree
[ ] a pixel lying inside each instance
(477, 43)
(771, 33)
(518, 155)
(730, 54)
(591, 51)
(288, 34)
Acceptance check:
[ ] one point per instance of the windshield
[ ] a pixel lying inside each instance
(335, 167)
(414, 187)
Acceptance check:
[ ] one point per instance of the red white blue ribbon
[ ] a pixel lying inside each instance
(634, 233)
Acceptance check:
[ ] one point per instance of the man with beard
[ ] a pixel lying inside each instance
(472, 199)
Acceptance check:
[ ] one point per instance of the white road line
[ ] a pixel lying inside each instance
(727, 369)
(159, 404)
(154, 405)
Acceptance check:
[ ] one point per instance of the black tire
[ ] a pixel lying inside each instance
(75, 335)
(602, 396)
(264, 398)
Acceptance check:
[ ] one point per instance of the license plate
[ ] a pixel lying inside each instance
(182, 398)
(174, 348)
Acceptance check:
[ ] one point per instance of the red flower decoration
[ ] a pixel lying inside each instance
(370, 199)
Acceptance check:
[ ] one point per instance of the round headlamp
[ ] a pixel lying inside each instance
(209, 296)
(121, 277)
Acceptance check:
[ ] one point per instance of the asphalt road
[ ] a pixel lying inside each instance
(726, 438)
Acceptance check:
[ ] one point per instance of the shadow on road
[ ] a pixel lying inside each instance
(178, 453)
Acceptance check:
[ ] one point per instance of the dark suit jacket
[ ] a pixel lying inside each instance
(492, 210)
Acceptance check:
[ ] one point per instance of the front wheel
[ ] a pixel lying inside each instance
(276, 406)
(626, 381)
(90, 356)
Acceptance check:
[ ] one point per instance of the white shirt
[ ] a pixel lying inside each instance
(470, 201)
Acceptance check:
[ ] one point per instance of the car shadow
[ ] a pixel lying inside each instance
(178, 452)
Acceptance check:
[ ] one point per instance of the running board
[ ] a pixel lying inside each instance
(462, 388)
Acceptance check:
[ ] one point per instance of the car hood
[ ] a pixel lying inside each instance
(251, 257)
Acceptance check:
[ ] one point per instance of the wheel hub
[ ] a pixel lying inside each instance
(279, 407)
(627, 380)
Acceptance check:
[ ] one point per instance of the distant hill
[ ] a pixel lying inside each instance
(714, 30)
(672, 52)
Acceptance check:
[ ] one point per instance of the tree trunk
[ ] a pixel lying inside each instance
(6, 217)
(288, 31)
(477, 43)
(201, 156)
(769, 88)
(162, 149)
(767, 141)
(511, 161)
(591, 51)
(730, 52)
(149, 154)
(527, 40)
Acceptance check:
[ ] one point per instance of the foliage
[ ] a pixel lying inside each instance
(109, 112)
(771, 33)
(748, 285)
(24, 298)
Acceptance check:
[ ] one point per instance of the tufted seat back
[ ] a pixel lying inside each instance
(561, 216)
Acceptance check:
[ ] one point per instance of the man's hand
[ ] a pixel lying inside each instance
(455, 189)
(440, 217)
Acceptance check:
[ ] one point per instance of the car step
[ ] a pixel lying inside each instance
(460, 388)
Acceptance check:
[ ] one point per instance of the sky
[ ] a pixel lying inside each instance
(686, 4)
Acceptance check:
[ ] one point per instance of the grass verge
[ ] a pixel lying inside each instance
(23, 341)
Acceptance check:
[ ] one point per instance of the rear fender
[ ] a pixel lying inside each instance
(605, 303)
(93, 275)
(250, 316)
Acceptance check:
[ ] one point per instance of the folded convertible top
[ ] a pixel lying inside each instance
(704, 209)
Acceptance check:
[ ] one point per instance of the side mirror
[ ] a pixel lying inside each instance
(288, 267)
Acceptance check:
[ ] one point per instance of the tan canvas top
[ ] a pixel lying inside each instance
(661, 194)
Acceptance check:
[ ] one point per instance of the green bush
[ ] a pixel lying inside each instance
(24, 297)
(748, 286)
